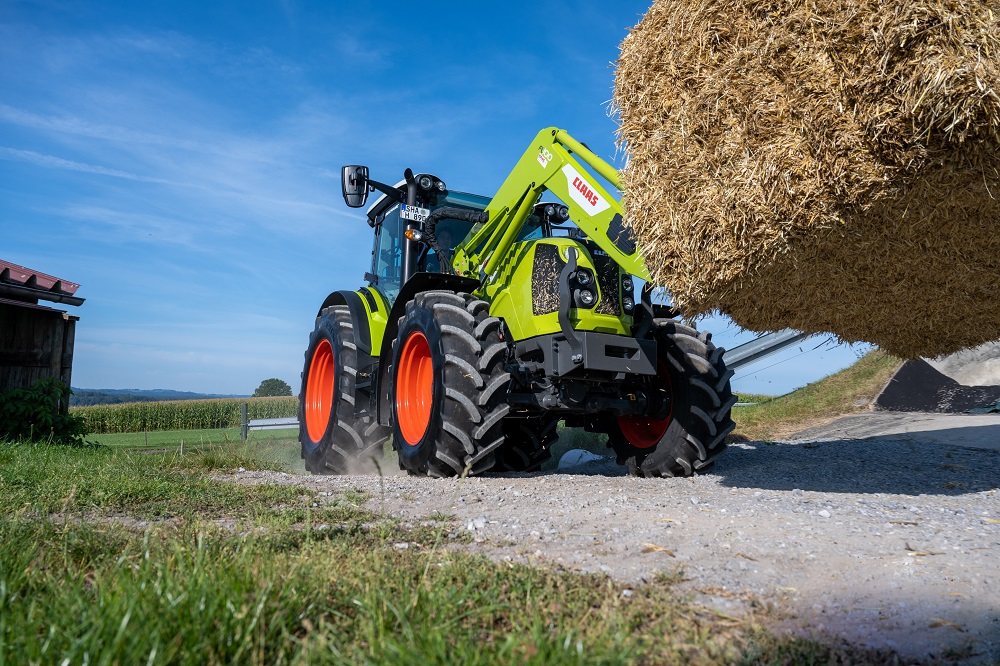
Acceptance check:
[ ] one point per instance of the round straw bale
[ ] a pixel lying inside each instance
(829, 166)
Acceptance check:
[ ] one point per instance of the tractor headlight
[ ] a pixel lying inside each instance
(429, 183)
(587, 297)
(553, 213)
(628, 304)
(627, 285)
(583, 277)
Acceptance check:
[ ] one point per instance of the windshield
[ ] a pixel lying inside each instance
(451, 232)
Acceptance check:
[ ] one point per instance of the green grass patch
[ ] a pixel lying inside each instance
(753, 397)
(267, 449)
(47, 478)
(195, 596)
(849, 391)
(170, 438)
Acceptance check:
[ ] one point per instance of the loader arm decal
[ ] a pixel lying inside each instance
(549, 165)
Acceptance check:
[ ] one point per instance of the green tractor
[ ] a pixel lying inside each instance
(485, 322)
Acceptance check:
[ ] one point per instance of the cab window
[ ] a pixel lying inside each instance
(387, 257)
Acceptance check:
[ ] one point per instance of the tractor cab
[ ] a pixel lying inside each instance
(400, 249)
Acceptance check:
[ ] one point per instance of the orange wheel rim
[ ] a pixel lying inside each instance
(643, 432)
(319, 391)
(414, 388)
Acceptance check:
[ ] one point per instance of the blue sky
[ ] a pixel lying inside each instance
(181, 160)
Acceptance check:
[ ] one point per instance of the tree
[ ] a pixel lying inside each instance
(272, 387)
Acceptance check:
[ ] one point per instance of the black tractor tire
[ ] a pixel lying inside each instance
(527, 441)
(334, 440)
(692, 436)
(448, 385)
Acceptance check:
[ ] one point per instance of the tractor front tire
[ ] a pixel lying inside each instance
(334, 440)
(449, 387)
(694, 377)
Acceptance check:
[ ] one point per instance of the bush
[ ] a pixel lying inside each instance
(39, 413)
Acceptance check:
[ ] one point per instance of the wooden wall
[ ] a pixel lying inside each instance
(35, 343)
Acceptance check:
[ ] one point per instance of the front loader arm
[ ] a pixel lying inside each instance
(549, 164)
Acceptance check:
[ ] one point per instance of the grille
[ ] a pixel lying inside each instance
(545, 279)
(609, 282)
(545, 282)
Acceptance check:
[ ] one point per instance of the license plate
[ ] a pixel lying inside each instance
(413, 213)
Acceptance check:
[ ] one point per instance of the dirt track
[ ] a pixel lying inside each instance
(883, 541)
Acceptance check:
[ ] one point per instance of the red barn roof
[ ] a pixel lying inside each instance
(27, 285)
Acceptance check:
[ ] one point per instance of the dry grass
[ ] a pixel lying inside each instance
(828, 166)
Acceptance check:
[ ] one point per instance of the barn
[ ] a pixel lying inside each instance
(36, 341)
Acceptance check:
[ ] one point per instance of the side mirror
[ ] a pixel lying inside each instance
(354, 185)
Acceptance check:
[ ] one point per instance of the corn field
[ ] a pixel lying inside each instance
(181, 414)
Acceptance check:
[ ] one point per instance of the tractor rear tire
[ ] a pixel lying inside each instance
(693, 434)
(334, 440)
(527, 441)
(449, 387)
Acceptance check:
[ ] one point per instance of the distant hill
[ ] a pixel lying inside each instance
(82, 397)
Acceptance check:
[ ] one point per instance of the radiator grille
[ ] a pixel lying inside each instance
(609, 282)
(545, 279)
(548, 264)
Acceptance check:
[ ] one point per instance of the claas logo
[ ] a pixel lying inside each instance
(584, 189)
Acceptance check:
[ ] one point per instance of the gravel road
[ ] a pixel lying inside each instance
(882, 542)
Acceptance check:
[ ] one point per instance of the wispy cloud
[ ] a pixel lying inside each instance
(75, 126)
(53, 162)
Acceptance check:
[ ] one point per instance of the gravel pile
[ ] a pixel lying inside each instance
(882, 543)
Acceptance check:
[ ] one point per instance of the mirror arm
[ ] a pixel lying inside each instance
(390, 191)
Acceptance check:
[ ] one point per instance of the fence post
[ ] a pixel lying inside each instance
(244, 423)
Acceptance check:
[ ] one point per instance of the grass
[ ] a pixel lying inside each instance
(169, 438)
(849, 391)
(115, 556)
(277, 449)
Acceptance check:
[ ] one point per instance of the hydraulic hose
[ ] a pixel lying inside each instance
(450, 213)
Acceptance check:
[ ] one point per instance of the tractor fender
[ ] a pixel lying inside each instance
(360, 317)
(416, 284)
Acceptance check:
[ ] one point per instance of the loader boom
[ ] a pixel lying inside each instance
(549, 165)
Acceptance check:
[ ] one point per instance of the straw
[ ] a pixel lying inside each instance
(831, 167)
